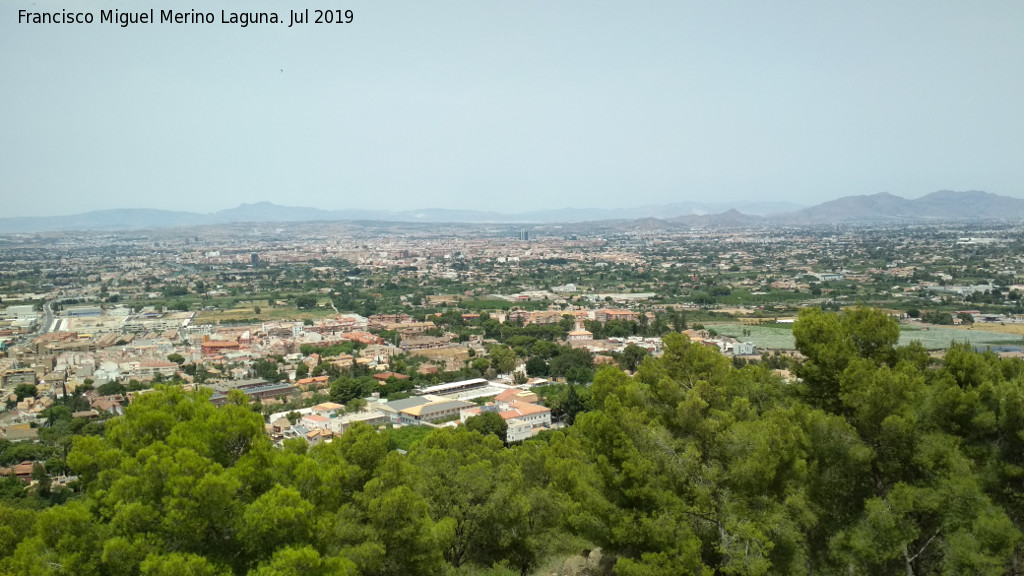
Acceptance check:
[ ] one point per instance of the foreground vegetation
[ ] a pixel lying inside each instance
(880, 460)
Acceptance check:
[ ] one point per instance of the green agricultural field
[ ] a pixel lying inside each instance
(780, 336)
(495, 304)
(935, 337)
(743, 297)
(245, 311)
(764, 336)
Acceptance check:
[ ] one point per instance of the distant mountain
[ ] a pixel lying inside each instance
(875, 208)
(882, 207)
(264, 212)
(269, 212)
(946, 204)
(673, 210)
(885, 207)
(107, 220)
(729, 219)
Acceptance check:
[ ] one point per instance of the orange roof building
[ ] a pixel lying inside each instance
(218, 346)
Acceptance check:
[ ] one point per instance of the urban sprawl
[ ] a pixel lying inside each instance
(408, 328)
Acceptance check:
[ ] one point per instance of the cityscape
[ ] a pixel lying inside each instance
(511, 288)
(326, 331)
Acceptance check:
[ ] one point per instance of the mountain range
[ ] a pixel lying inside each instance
(941, 205)
(876, 208)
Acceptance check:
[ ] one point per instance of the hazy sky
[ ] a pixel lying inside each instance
(510, 104)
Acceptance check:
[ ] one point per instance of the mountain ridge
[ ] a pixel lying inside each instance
(874, 208)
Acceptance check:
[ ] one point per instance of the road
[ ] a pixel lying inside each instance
(42, 327)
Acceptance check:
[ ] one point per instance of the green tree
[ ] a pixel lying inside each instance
(936, 317)
(488, 423)
(536, 367)
(830, 342)
(278, 518)
(570, 358)
(573, 405)
(23, 391)
(305, 302)
(413, 542)
(62, 542)
(176, 564)
(15, 525)
(503, 359)
(632, 356)
(304, 561)
(457, 474)
(678, 320)
(111, 387)
(42, 479)
(346, 389)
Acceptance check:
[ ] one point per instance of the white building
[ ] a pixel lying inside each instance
(315, 422)
(524, 419)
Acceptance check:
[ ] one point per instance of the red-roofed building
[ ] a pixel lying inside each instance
(515, 394)
(523, 418)
(313, 381)
(152, 368)
(315, 422)
(318, 436)
(580, 336)
(22, 471)
(605, 314)
(211, 347)
(364, 338)
(113, 404)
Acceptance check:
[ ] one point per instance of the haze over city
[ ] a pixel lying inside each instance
(511, 106)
